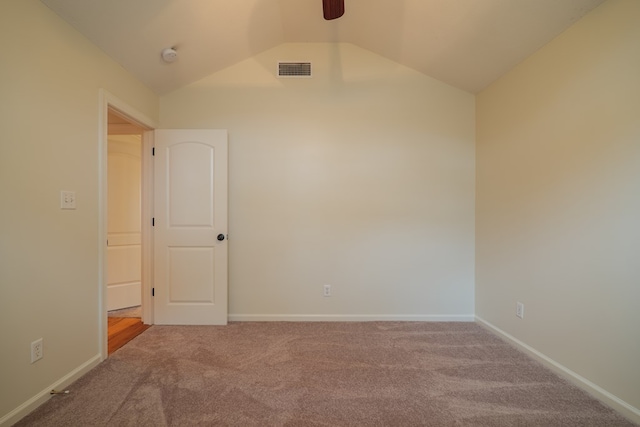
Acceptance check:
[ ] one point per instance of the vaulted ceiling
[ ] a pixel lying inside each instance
(465, 43)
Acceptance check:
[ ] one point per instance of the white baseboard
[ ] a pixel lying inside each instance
(37, 400)
(594, 390)
(124, 295)
(350, 317)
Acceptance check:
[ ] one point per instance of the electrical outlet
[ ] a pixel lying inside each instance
(37, 350)
(326, 290)
(520, 310)
(67, 200)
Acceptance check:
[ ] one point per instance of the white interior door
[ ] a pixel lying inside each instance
(124, 222)
(190, 231)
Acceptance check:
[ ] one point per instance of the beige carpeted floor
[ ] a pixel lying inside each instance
(322, 374)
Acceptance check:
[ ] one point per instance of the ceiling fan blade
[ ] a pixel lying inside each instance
(332, 9)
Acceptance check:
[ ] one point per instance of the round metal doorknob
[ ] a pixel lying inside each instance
(220, 237)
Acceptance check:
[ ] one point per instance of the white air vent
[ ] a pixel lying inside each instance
(294, 69)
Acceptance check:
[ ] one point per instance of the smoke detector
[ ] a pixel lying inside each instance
(169, 55)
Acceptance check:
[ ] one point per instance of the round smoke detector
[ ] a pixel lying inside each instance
(169, 55)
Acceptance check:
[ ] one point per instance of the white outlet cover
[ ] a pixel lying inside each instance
(520, 310)
(37, 350)
(67, 199)
(326, 290)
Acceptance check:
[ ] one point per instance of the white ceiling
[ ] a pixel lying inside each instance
(465, 43)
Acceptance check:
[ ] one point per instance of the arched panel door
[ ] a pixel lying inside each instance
(190, 227)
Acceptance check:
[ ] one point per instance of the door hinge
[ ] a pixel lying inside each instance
(153, 151)
(153, 292)
(153, 222)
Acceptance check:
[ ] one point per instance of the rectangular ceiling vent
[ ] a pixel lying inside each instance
(294, 69)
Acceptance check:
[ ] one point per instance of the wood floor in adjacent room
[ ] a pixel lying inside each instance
(122, 330)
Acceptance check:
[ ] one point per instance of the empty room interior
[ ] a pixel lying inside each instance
(474, 161)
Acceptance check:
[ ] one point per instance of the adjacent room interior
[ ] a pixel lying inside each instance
(416, 192)
(124, 230)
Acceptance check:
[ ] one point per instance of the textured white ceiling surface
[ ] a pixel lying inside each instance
(465, 43)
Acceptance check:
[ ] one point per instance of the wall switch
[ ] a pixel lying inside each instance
(326, 289)
(37, 350)
(520, 310)
(67, 200)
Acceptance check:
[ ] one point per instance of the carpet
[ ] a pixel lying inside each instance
(322, 374)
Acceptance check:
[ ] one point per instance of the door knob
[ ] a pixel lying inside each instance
(220, 237)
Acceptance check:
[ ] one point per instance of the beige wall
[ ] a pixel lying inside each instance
(558, 206)
(361, 177)
(50, 78)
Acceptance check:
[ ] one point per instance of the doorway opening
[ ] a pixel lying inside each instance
(124, 230)
(118, 117)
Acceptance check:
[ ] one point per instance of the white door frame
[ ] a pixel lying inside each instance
(109, 101)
